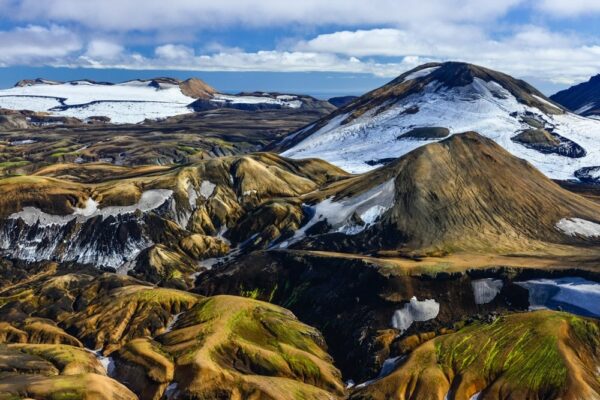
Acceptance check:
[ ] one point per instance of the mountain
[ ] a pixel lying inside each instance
(130, 340)
(523, 356)
(463, 193)
(341, 101)
(141, 99)
(451, 230)
(154, 221)
(258, 276)
(436, 100)
(582, 99)
(255, 101)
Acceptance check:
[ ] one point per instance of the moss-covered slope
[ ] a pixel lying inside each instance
(538, 355)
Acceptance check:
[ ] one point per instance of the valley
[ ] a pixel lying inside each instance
(436, 238)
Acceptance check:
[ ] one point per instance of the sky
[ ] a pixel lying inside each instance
(332, 47)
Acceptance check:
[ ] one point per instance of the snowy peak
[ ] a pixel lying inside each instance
(450, 75)
(582, 99)
(436, 100)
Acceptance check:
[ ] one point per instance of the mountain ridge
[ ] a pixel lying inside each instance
(583, 98)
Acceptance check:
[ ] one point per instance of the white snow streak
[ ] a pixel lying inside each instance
(150, 200)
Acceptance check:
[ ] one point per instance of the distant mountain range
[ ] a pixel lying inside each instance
(137, 100)
(583, 99)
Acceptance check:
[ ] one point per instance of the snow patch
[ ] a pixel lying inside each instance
(578, 227)
(172, 322)
(150, 200)
(107, 362)
(575, 295)
(546, 102)
(282, 100)
(122, 103)
(415, 311)
(369, 206)
(585, 108)
(22, 142)
(389, 366)
(207, 189)
(486, 290)
(420, 73)
(171, 390)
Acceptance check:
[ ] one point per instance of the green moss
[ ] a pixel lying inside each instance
(295, 295)
(13, 164)
(253, 294)
(526, 351)
(272, 295)
(302, 367)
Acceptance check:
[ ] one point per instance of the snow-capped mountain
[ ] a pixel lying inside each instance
(435, 100)
(137, 100)
(582, 99)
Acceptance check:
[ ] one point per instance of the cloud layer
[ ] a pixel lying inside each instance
(380, 37)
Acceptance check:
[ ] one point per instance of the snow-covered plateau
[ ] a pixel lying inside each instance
(127, 102)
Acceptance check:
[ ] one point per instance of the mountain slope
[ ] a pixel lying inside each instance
(380, 125)
(539, 355)
(583, 99)
(463, 193)
(119, 212)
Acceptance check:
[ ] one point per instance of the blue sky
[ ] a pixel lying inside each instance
(311, 46)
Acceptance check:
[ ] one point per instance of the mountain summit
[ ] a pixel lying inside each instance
(435, 100)
(462, 193)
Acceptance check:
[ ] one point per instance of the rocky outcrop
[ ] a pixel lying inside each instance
(341, 101)
(549, 143)
(425, 133)
(363, 293)
(161, 221)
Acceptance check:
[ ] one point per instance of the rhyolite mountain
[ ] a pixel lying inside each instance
(426, 226)
(463, 193)
(347, 254)
(435, 100)
(169, 260)
(582, 99)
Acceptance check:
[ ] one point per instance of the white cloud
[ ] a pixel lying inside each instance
(103, 49)
(529, 51)
(406, 34)
(124, 15)
(174, 52)
(570, 8)
(35, 45)
(172, 56)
